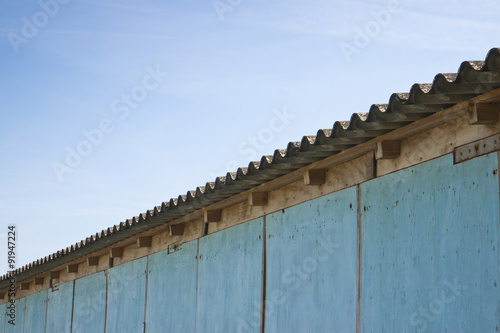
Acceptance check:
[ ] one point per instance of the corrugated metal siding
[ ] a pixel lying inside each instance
(311, 266)
(18, 327)
(90, 303)
(59, 308)
(229, 280)
(430, 248)
(34, 320)
(171, 301)
(126, 297)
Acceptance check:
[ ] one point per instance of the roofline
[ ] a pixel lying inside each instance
(401, 118)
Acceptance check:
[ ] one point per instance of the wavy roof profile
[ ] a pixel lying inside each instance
(473, 78)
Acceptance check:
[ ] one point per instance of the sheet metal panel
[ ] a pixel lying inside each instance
(59, 308)
(90, 303)
(311, 265)
(430, 248)
(171, 301)
(2, 318)
(229, 280)
(19, 320)
(126, 297)
(34, 318)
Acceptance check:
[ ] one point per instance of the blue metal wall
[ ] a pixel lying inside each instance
(171, 300)
(18, 327)
(3, 308)
(60, 308)
(126, 297)
(429, 263)
(311, 266)
(90, 303)
(229, 280)
(430, 248)
(34, 317)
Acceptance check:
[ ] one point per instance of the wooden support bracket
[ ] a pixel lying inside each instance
(483, 113)
(144, 241)
(177, 230)
(73, 268)
(214, 215)
(93, 261)
(388, 149)
(258, 198)
(116, 252)
(315, 177)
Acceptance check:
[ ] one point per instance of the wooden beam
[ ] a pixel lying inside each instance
(39, 281)
(388, 149)
(73, 268)
(177, 229)
(476, 148)
(116, 252)
(144, 241)
(54, 274)
(214, 215)
(93, 261)
(25, 285)
(257, 198)
(315, 177)
(483, 113)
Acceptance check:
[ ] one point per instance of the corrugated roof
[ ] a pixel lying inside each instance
(473, 78)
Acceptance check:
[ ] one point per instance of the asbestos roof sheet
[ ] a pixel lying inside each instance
(472, 78)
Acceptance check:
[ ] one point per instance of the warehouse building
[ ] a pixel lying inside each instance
(389, 222)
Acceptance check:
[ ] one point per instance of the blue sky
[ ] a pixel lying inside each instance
(158, 97)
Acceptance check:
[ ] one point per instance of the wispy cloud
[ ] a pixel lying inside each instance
(415, 27)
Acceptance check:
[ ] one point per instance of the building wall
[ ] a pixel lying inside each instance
(430, 237)
(411, 251)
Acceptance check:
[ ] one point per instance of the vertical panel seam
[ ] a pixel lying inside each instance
(358, 263)
(197, 275)
(72, 307)
(263, 278)
(24, 314)
(106, 302)
(46, 310)
(146, 294)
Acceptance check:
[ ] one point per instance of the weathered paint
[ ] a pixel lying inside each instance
(429, 263)
(19, 320)
(59, 308)
(171, 300)
(311, 266)
(34, 317)
(430, 248)
(2, 319)
(126, 297)
(229, 280)
(90, 303)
